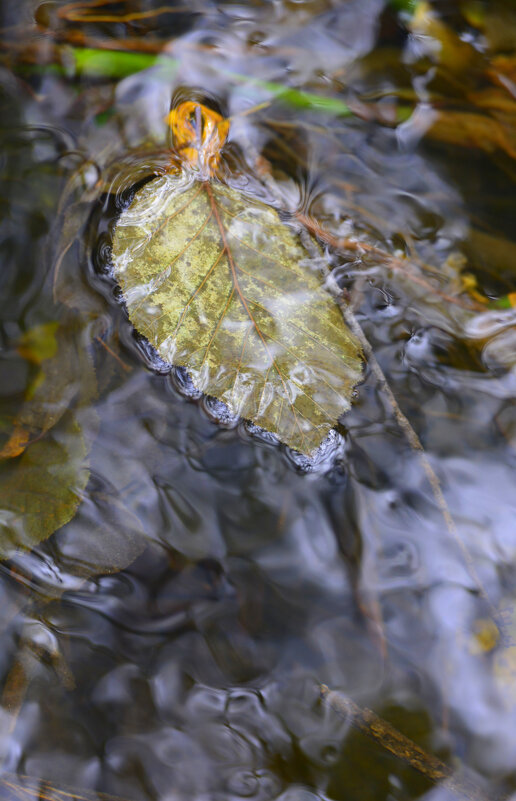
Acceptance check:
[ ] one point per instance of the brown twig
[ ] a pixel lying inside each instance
(402, 747)
(81, 12)
(112, 353)
(28, 787)
(398, 265)
(415, 444)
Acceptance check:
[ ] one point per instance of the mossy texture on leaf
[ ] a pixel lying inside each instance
(220, 285)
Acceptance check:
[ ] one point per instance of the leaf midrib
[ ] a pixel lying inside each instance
(236, 285)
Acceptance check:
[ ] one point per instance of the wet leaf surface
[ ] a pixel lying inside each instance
(195, 670)
(218, 284)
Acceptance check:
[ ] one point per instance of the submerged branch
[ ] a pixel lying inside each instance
(431, 475)
(397, 265)
(402, 747)
(403, 422)
(28, 788)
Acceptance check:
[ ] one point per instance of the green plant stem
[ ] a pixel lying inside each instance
(117, 64)
(404, 6)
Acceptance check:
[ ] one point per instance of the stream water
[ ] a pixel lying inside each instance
(170, 641)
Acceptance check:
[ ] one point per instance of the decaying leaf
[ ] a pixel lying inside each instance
(220, 285)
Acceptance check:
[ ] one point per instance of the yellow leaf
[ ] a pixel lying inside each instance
(198, 135)
(16, 443)
(39, 343)
(485, 636)
(220, 285)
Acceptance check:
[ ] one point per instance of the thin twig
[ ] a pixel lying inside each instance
(402, 747)
(123, 365)
(404, 424)
(398, 265)
(30, 787)
(251, 110)
(415, 444)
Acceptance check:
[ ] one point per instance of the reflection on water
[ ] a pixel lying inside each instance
(170, 641)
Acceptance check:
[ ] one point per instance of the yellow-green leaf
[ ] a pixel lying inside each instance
(66, 372)
(220, 285)
(39, 343)
(40, 492)
(44, 453)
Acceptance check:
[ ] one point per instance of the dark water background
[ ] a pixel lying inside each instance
(173, 637)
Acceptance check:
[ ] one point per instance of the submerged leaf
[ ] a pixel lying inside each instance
(39, 343)
(65, 373)
(44, 459)
(444, 44)
(475, 130)
(42, 489)
(104, 536)
(218, 284)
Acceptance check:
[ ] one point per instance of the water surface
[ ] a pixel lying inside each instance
(171, 640)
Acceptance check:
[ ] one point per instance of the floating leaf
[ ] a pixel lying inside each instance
(220, 285)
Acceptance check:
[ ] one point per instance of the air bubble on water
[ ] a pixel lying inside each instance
(151, 356)
(323, 458)
(218, 411)
(260, 434)
(182, 382)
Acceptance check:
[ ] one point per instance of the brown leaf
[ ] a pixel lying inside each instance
(467, 129)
